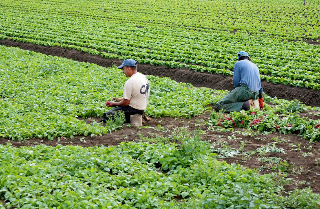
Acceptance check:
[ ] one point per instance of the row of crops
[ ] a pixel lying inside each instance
(48, 97)
(199, 35)
(138, 175)
(45, 97)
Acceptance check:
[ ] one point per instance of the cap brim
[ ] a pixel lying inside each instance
(121, 66)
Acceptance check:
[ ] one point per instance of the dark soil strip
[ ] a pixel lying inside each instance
(307, 96)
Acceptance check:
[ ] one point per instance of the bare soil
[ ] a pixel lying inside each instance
(301, 158)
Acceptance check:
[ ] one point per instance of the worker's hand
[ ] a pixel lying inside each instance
(261, 104)
(116, 99)
(112, 104)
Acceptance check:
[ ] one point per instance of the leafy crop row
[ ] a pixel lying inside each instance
(283, 118)
(136, 175)
(200, 35)
(46, 97)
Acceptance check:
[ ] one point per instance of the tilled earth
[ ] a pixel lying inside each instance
(300, 160)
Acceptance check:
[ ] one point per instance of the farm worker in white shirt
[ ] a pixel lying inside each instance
(135, 96)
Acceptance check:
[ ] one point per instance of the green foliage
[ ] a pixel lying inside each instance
(302, 199)
(48, 97)
(190, 147)
(269, 120)
(131, 176)
(292, 106)
(203, 36)
(184, 99)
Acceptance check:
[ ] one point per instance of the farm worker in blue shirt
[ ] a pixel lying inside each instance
(248, 90)
(135, 95)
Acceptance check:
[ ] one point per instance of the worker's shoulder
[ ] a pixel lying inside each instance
(244, 63)
(137, 77)
(241, 62)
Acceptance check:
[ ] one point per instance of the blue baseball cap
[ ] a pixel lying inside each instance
(242, 54)
(128, 62)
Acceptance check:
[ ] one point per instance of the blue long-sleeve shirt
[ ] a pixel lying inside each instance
(246, 72)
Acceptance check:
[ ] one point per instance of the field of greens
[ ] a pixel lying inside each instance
(202, 35)
(46, 98)
(137, 175)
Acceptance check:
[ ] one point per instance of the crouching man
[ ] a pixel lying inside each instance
(248, 90)
(135, 96)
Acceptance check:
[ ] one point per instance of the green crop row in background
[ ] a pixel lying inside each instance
(200, 35)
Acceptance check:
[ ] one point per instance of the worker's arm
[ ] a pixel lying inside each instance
(261, 93)
(128, 87)
(120, 102)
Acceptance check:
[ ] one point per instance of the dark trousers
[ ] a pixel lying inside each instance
(235, 99)
(127, 110)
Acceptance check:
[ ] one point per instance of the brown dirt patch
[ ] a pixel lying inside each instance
(301, 158)
(312, 41)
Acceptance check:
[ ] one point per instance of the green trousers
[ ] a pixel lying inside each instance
(235, 99)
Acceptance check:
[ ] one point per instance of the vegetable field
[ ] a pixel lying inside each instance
(179, 170)
(199, 35)
(54, 153)
(45, 96)
(128, 176)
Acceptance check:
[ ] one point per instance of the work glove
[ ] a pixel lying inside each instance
(108, 104)
(261, 104)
